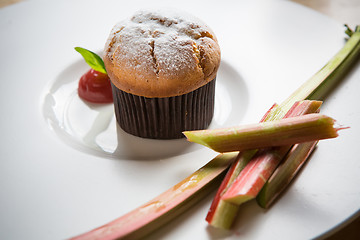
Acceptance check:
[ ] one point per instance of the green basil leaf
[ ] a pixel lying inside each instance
(91, 58)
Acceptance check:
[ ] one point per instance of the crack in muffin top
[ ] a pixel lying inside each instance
(161, 54)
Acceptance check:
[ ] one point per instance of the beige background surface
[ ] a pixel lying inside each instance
(4, 3)
(344, 11)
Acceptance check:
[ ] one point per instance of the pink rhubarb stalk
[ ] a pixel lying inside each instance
(166, 206)
(284, 173)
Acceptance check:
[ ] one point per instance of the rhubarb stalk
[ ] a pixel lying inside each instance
(284, 173)
(166, 206)
(253, 177)
(287, 131)
(320, 83)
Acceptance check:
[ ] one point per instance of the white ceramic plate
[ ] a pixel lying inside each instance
(64, 170)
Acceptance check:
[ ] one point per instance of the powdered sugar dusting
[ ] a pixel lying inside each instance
(158, 42)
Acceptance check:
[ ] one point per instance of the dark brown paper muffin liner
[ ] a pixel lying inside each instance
(164, 118)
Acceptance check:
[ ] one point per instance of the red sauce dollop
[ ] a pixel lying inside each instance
(95, 87)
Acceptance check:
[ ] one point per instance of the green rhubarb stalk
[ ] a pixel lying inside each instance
(327, 77)
(282, 132)
(157, 212)
(321, 83)
(284, 173)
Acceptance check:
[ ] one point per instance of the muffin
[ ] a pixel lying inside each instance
(162, 67)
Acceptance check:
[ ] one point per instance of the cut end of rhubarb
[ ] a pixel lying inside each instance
(262, 198)
(224, 216)
(195, 137)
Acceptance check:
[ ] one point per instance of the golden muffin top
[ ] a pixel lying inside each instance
(161, 54)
